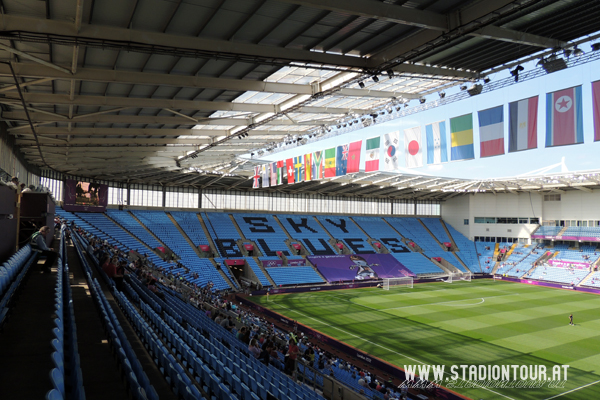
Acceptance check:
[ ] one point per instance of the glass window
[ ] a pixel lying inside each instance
(479, 220)
(523, 220)
(534, 220)
(466, 221)
(489, 220)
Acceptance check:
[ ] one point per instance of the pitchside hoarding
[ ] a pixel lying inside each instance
(359, 267)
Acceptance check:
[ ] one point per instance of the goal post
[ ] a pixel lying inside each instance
(406, 281)
(459, 276)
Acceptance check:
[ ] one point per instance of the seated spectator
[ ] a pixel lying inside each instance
(253, 348)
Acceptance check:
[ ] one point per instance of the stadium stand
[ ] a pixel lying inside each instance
(485, 251)
(160, 224)
(305, 229)
(190, 224)
(344, 229)
(379, 230)
(581, 231)
(556, 274)
(548, 230)
(258, 272)
(466, 250)
(224, 234)
(263, 230)
(293, 275)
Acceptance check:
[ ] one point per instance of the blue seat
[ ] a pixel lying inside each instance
(54, 395)
(58, 381)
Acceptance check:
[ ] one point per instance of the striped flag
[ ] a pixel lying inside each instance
(390, 145)
(596, 107)
(318, 165)
(354, 157)
(274, 174)
(491, 131)
(522, 128)
(308, 167)
(412, 147)
(564, 118)
(341, 160)
(372, 154)
(437, 149)
(299, 168)
(330, 163)
(266, 175)
(280, 171)
(461, 131)
(256, 178)
(289, 165)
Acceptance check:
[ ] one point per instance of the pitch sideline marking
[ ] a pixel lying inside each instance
(572, 390)
(386, 349)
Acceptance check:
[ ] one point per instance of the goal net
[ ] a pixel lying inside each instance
(459, 276)
(406, 281)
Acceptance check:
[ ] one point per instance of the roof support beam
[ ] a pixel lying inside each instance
(34, 59)
(117, 37)
(201, 133)
(167, 104)
(154, 79)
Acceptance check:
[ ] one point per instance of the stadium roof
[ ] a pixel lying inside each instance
(174, 92)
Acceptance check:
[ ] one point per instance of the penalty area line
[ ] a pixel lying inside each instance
(387, 349)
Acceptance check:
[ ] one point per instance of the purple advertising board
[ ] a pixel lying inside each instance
(549, 284)
(297, 262)
(272, 263)
(359, 267)
(569, 264)
(84, 196)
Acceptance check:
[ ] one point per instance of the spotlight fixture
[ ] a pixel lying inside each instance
(398, 108)
(361, 84)
(515, 72)
(251, 154)
(405, 105)
(567, 52)
(595, 46)
(442, 94)
(475, 89)
(577, 52)
(422, 100)
(390, 73)
(554, 64)
(541, 62)
(486, 79)
(463, 87)
(375, 78)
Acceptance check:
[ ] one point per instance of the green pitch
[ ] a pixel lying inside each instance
(474, 323)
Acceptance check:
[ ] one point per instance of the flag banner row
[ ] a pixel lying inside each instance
(564, 126)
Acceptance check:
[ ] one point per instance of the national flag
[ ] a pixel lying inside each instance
(299, 168)
(564, 118)
(308, 167)
(390, 146)
(318, 168)
(274, 174)
(437, 149)
(341, 160)
(330, 163)
(522, 128)
(256, 177)
(289, 164)
(413, 153)
(596, 107)
(280, 171)
(354, 157)
(266, 175)
(461, 132)
(372, 154)
(491, 131)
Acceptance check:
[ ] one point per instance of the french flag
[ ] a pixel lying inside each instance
(522, 128)
(491, 131)
(596, 107)
(564, 117)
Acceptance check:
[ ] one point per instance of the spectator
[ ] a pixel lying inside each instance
(38, 244)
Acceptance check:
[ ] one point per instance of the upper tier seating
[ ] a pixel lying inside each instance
(159, 223)
(593, 280)
(417, 263)
(582, 231)
(343, 228)
(562, 275)
(189, 222)
(548, 230)
(293, 275)
(435, 226)
(263, 230)
(586, 256)
(466, 249)
(305, 229)
(224, 234)
(380, 230)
